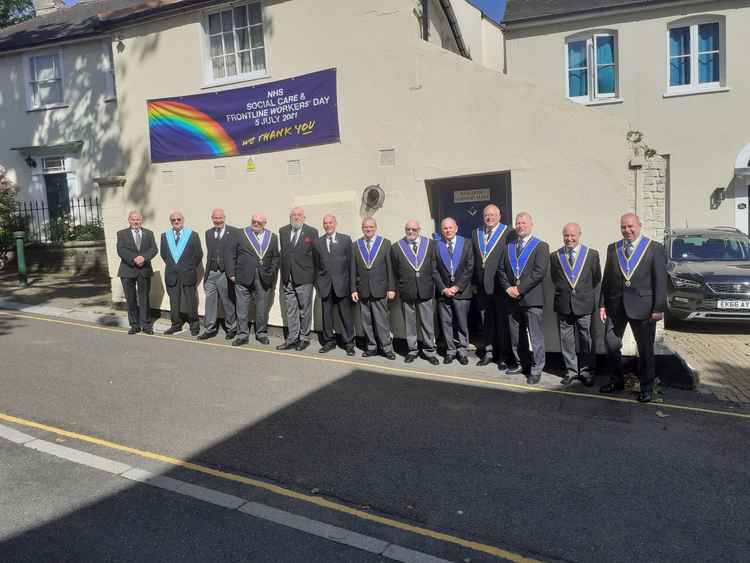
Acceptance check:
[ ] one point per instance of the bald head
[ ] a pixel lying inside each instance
(491, 215)
(177, 219)
(448, 228)
(630, 226)
(571, 235)
(258, 222)
(369, 227)
(411, 229)
(218, 218)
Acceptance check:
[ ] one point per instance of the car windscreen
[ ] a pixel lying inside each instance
(709, 247)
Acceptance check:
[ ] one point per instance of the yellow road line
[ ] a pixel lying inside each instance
(317, 501)
(405, 371)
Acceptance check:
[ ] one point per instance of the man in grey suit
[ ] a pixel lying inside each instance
(297, 277)
(522, 278)
(576, 274)
(332, 254)
(216, 285)
(136, 247)
(455, 268)
(414, 269)
(372, 287)
(253, 264)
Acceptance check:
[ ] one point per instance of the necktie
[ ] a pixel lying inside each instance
(414, 247)
(487, 233)
(328, 243)
(519, 248)
(450, 248)
(295, 236)
(628, 249)
(259, 238)
(368, 243)
(571, 257)
(177, 237)
(138, 240)
(217, 230)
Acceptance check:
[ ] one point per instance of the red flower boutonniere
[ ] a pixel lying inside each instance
(308, 240)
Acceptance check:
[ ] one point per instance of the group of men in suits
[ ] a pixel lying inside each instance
(506, 269)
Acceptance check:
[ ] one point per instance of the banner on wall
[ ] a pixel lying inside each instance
(296, 112)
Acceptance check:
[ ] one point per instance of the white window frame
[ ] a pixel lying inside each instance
(695, 86)
(108, 67)
(28, 79)
(208, 79)
(593, 97)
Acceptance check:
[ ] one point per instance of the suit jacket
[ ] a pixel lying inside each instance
(127, 251)
(414, 285)
(378, 280)
(216, 249)
(333, 270)
(485, 272)
(297, 262)
(647, 292)
(463, 272)
(582, 300)
(531, 285)
(184, 271)
(244, 263)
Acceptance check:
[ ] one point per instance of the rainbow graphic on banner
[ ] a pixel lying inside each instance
(187, 120)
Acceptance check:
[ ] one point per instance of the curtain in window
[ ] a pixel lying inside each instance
(708, 53)
(679, 56)
(577, 69)
(605, 64)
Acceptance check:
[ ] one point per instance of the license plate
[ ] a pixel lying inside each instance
(733, 304)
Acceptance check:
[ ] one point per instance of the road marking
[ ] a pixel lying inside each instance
(77, 456)
(406, 371)
(275, 489)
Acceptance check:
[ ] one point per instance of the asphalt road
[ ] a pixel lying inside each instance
(549, 476)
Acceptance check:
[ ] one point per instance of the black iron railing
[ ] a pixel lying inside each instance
(78, 218)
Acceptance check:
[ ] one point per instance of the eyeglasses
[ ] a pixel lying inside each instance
(410, 230)
(176, 220)
(258, 222)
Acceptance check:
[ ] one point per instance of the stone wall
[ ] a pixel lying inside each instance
(75, 258)
(649, 175)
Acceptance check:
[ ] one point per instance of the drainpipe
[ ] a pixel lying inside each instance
(425, 20)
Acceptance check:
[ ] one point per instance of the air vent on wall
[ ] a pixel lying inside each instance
(294, 167)
(388, 157)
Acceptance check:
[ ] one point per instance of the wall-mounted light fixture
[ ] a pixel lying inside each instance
(30, 161)
(717, 196)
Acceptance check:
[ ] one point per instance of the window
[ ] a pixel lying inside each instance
(592, 67)
(108, 65)
(44, 85)
(236, 45)
(696, 54)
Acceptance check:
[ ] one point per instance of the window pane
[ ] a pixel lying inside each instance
(216, 48)
(243, 40)
(43, 68)
(708, 37)
(214, 23)
(256, 36)
(708, 67)
(605, 50)
(605, 79)
(577, 54)
(253, 11)
(231, 63)
(679, 41)
(577, 83)
(240, 17)
(679, 71)
(50, 93)
(259, 59)
(226, 20)
(246, 64)
(229, 42)
(218, 67)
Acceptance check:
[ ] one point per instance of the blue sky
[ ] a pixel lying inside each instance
(493, 9)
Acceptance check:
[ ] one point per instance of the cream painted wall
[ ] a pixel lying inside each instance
(482, 37)
(702, 133)
(87, 116)
(444, 116)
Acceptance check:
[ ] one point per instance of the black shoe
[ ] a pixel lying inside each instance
(263, 340)
(569, 378)
(646, 395)
(410, 358)
(239, 341)
(286, 346)
(174, 329)
(327, 347)
(514, 370)
(448, 360)
(207, 335)
(301, 345)
(148, 331)
(433, 360)
(195, 330)
(588, 381)
(612, 387)
(391, 356)
(463, 360)
(534, 379)
(486, 360)
(229, 335)
(369, 353)
(134, 330)
(350, 350)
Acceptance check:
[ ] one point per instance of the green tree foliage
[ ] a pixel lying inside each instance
(15, 11)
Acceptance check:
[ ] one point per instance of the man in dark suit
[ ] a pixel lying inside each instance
(372, 287)
(332, 254)
(489, 245)
(297, 277)
(634, 291)
(252, 265)
(576, 274)
(182, 254)
(215, 282)
(414, 270)
(136, 247)
(455, 267)
(522, 278)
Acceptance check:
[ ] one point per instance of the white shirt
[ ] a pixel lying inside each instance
(221, 232)
(260, 237)
(135, 232)
(330, 239)
(635, 244)
(411, 243)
